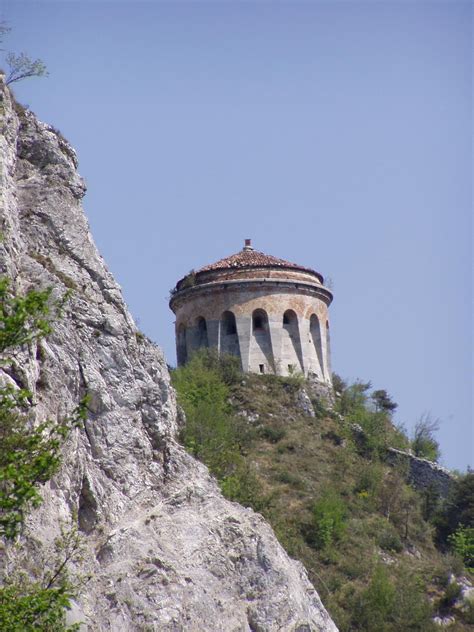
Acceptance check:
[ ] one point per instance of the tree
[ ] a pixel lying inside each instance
(353, 398)
(383, 402)
(424, 443)
(20, 65)
(24, 318)
(462, 543)
(339, 385)
(29, 456)
(458, 510)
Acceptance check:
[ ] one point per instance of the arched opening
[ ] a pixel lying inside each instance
(290, 320)
(201, 333)
(328, 353)
(261, 352)
(316, 342)
(181, 348)
(229, 340)
(259, 321)
(291, 352)
(229, 325)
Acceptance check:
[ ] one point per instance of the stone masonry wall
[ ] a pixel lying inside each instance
(424, 474)
(271, 349)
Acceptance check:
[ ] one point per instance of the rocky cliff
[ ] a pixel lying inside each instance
(163, 549)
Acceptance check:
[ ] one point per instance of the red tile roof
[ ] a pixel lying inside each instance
(250, 258)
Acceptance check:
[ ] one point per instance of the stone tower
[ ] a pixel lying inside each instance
(271, 313)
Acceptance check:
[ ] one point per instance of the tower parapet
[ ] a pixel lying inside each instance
(270, 313)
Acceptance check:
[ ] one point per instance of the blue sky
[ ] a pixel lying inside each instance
(334, 134)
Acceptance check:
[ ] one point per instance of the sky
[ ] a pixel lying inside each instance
(333, 134)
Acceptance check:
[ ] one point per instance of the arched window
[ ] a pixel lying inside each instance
(228, 338)
(291, 352)
(259, 321)
(201, 332)
(261, 350)
(181, 347)
(315, 331)
(229, 326)
(289, 319)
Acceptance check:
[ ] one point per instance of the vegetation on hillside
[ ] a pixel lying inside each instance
(29, 456)
(382, 556)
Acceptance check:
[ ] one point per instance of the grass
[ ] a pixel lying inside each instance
(334, 504)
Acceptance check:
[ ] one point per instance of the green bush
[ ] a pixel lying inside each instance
(243, 486)
(288, 478)
(424, 444)
(388, 605)
(272, 434)
(30, 607)
(29, 456)
(375, 603)
(412, 611)
(369, 479)
(329, 519)
(389, 540)
(212, 433)
(462, 544)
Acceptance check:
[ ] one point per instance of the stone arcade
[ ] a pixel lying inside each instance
(271, 313)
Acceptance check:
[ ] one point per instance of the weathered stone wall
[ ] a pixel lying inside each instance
(300, 345)
(424, 474)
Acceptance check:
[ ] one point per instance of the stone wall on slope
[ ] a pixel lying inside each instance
(423, 474)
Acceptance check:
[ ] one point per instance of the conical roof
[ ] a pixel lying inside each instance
(250, 258)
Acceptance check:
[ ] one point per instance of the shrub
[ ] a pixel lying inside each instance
(462, 543)
(375, 603)
(353, 398)
(338, 384)
(320, 407)
(392, 605)
(389, 540)
(369, 479)
(243, 486)
(452, 593)
(329, 519)
(424, 443)
(29, 456)
(411, 612)
(288, 478)
(211, 432)
(272, 434)
(31, 607)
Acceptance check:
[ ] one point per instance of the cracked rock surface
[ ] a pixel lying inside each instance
(163, 549)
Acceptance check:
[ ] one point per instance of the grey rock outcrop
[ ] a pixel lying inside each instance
(163, 549)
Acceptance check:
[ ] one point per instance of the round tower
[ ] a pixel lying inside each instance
(270, 313)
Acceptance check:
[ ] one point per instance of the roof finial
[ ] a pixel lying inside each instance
(248, 245)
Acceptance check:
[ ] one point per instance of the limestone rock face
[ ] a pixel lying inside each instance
(163, 549)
